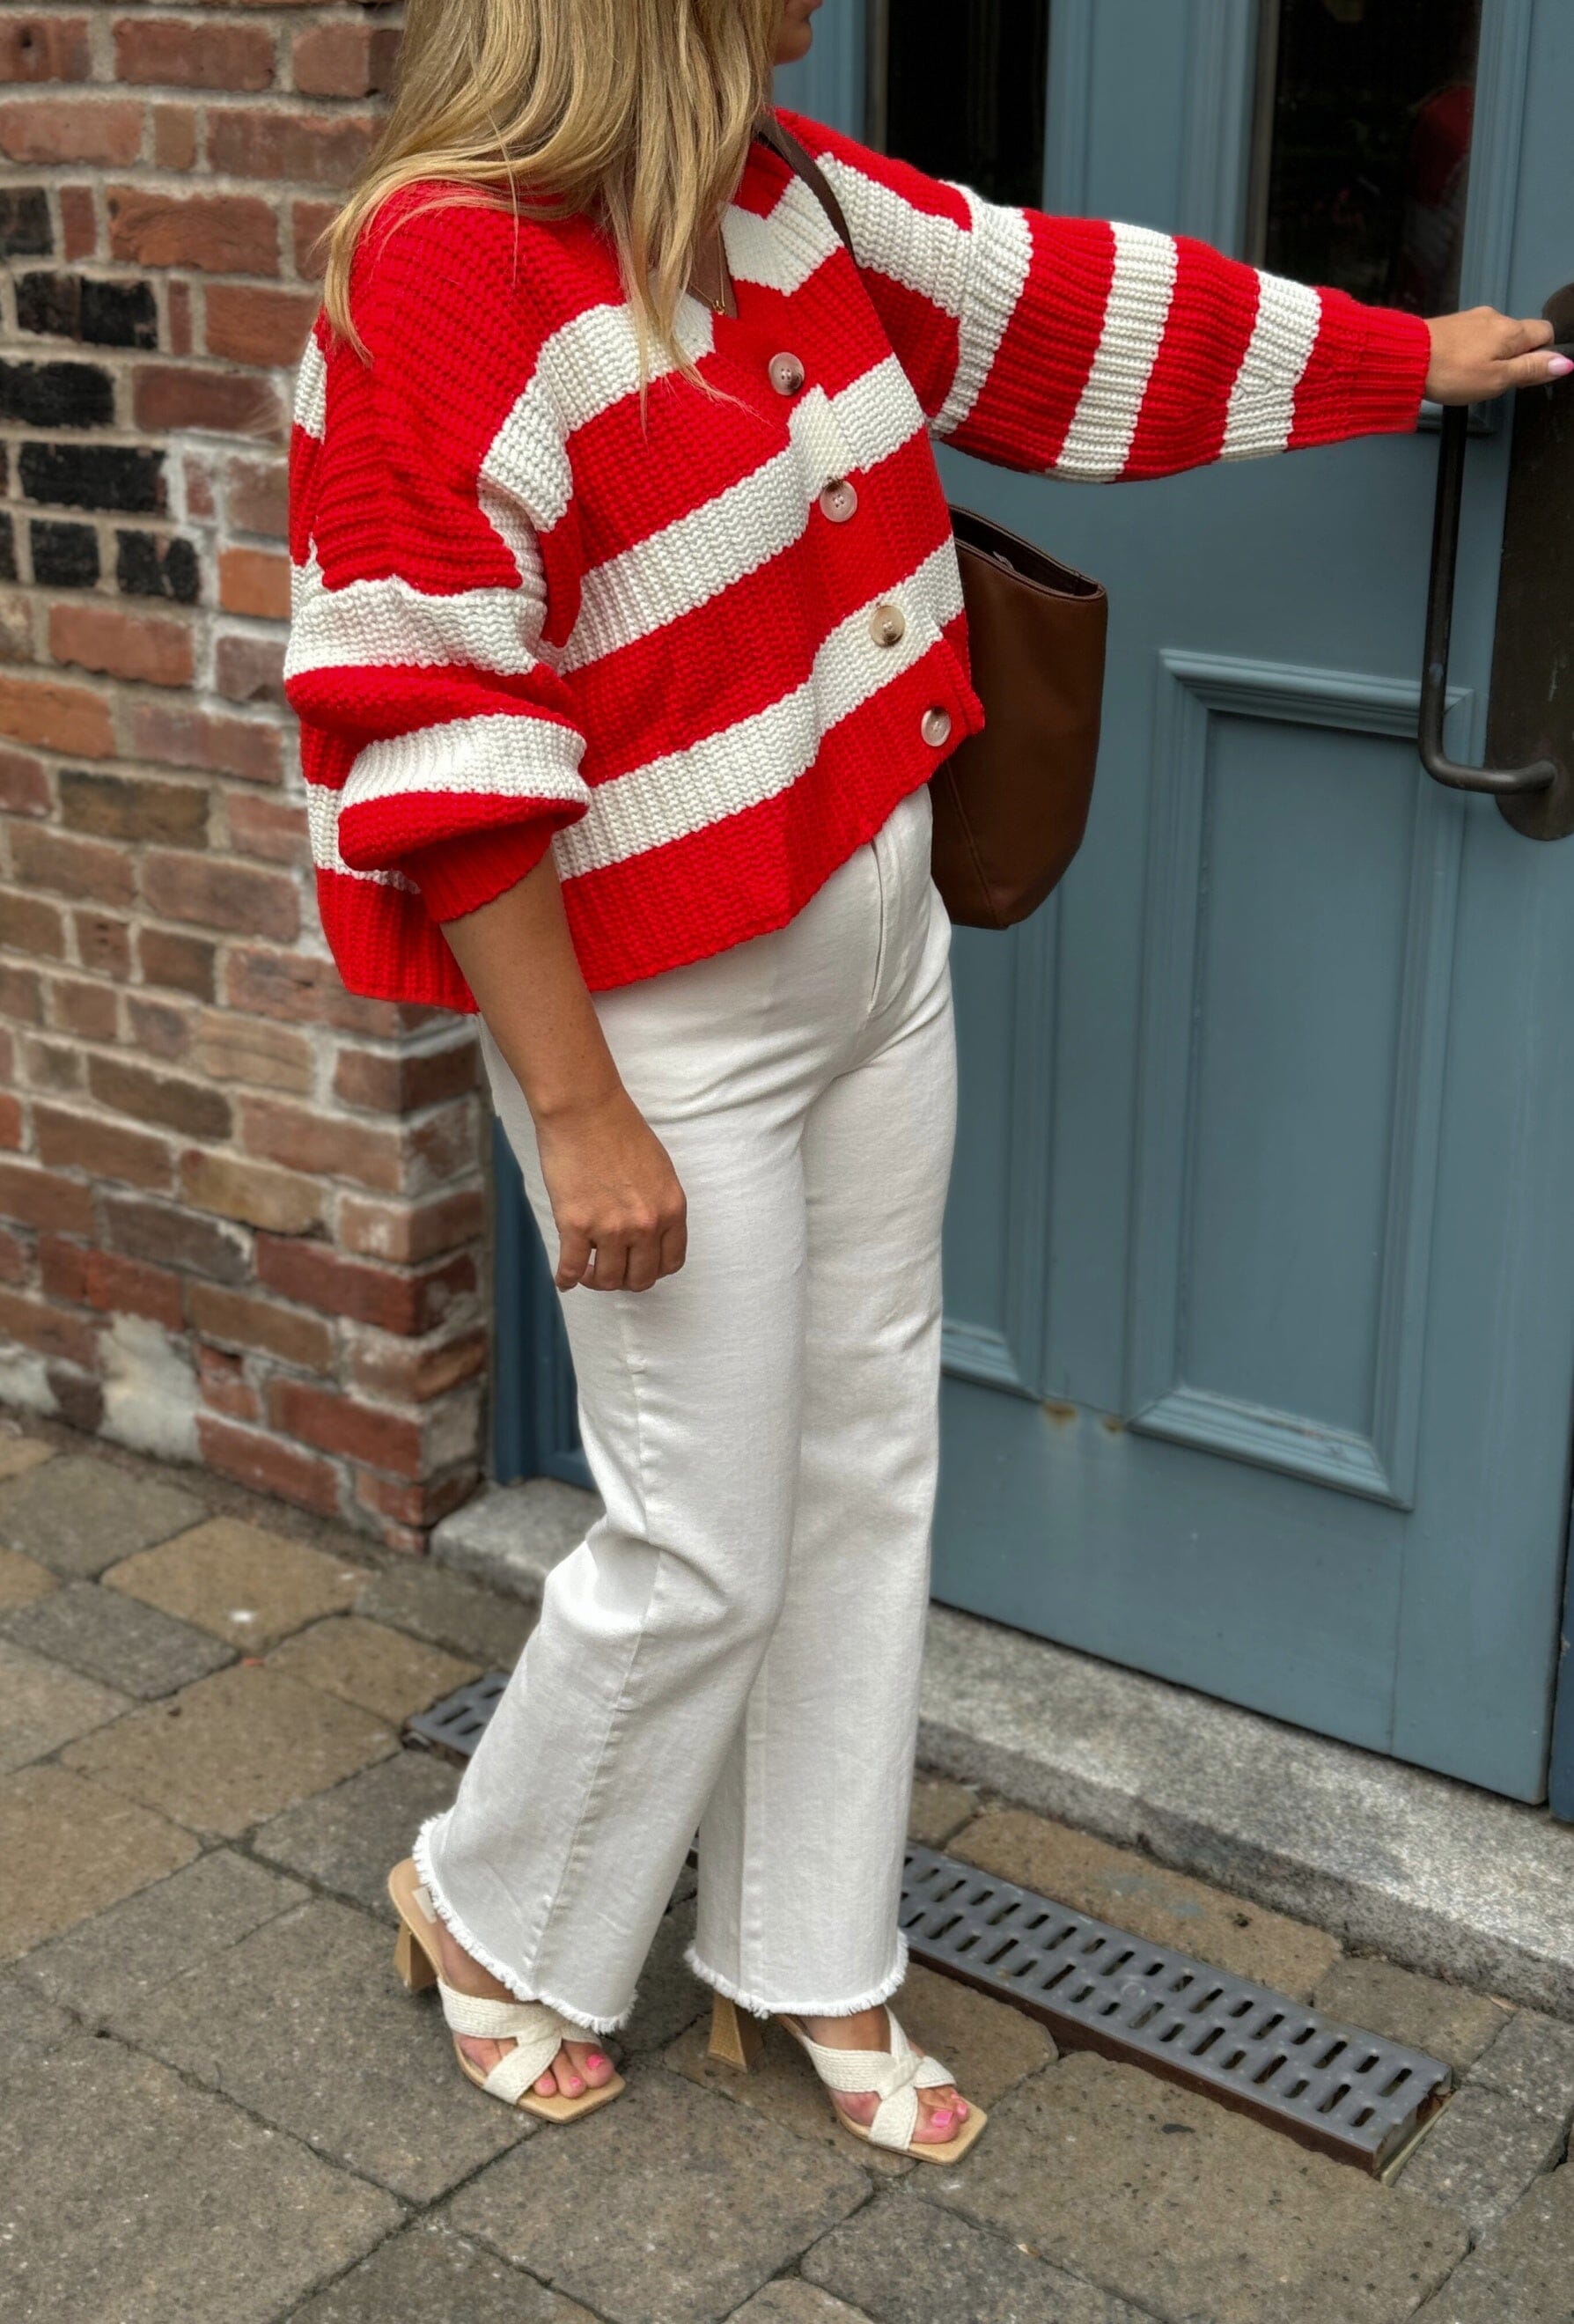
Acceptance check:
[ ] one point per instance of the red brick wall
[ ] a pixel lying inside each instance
(240, 1212)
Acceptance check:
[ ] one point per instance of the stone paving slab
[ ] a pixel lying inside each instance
(1189, 2211)
(512, 1536)
(1131, 1892)
(448, 1611)
(69, 1847)
(667, 2206)
(988, 2045)
(1480, 2155)
(246, 1585)
(790, 2300)
(364, 2072)
(430, 2275)
(1532, 2061)
(233, 1749)
(18, 1454)
(1446, 2020)
(384, 1670)
(78, 1515)
(28, 2022)
(23, 1580)
(42, 1706)
(105, 1634)
(110, 1963)
(132, 2198)
(939, 1809)
(905, 2262)
(349, 1839)
(1526, 2274)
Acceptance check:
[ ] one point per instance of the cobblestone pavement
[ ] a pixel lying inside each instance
(219, 2104)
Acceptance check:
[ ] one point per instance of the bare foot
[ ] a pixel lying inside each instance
(942, 2111)
(578, 2066)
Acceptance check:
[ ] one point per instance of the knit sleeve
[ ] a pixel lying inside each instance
(1098, 350)
(432, 555)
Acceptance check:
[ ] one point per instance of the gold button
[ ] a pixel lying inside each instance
(935, 728)
(839, 500)
(786, 375)
(887, 625)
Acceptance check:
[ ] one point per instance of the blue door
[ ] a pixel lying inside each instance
(1260, 1290)
(1261, 1256)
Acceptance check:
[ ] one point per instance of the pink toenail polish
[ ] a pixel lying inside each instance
(595, 2061)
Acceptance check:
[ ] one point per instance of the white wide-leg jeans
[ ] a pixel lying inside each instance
(735, 1646)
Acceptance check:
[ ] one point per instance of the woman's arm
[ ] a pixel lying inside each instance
(1098, 350)
(615, 1196)
(431, 545)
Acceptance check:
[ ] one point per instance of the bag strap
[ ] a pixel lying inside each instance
(802, 164)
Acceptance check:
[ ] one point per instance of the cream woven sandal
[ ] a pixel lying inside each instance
(896, 2075)
(536, 2031)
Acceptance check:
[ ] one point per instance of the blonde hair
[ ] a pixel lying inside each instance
(639, 112)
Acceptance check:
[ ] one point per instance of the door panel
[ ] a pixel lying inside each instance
(1290, 1072)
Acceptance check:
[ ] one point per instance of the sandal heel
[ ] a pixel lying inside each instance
(736, 2039)
(412, 1963)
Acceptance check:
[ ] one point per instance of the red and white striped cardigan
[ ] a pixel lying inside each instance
(703, 654)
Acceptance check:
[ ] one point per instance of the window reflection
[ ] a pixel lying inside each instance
(1364, 145)
(959, 90)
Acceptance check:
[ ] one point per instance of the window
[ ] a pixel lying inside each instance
(1362, 146)
(959, 90)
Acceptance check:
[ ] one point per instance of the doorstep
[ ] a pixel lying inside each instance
(1437, 1875)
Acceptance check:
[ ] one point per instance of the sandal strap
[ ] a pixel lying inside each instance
(497, 2020)
(537, 2031)
(520, 2071)
(896, 2075)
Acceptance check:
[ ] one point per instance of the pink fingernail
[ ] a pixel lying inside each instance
(1558, 367)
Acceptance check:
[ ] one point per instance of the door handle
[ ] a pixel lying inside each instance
(1501, 783)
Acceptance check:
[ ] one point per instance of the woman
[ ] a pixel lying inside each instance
(628, 634)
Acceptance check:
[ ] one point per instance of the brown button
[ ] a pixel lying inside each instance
(887, 625)
(786, 375)
(839, 500)
(935, 728)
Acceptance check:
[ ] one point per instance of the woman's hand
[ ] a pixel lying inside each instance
(618, 1207)
(1480, 353)
(610, 1180)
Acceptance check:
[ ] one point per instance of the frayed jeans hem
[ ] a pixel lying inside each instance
(520, 1988)
(758, 2007)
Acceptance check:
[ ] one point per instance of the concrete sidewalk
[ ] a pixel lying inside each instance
(217, 2104)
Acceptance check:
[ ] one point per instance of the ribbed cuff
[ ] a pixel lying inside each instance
(1377, 363)
(458, 875)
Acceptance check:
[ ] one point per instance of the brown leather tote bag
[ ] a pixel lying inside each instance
(1010, 804)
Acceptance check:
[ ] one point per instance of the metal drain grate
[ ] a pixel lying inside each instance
(1349, 2093)
(455, 1725)
(1331, 2085)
